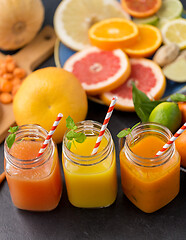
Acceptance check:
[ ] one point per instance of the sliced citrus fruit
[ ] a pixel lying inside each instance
(170, 9)
(175, 31)
(99, 70)
(72, 19)
(141, 8)
(153, 20)
(149, 40)
(147, 76)
(113, 33)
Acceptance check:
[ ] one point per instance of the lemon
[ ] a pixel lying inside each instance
(47, 92)
(170, 9)
(167, 114)
(73, 18)
(175, 32)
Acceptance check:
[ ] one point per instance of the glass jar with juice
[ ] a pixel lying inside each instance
(149, 182)
(91, 181)
(35, 183)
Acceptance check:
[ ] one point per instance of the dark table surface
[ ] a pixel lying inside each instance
(120, 221)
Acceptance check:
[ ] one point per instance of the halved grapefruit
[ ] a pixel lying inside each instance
(147, 76)
(98, 70)
(141, 8)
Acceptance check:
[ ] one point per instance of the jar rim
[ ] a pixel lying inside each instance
(83, 158)
(32, 161)
(159, 160)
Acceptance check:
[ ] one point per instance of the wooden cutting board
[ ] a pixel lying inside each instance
(29, 58)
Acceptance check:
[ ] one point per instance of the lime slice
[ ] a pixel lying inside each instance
(170, 9)
(175, 32)
(176, 71)
(161, 23)
(150, 20)
(73, 18)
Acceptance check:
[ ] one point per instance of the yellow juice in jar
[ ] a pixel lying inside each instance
(91, 181)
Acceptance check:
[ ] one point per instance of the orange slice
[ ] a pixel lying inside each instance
(141, 8)
(148, 42)
(147, 76)
(113, 33)
(99, 70)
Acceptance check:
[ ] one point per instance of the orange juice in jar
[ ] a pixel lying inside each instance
(91, 180)
(35, 183)
(149, 182)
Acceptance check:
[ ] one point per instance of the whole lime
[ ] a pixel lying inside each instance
(167, 114)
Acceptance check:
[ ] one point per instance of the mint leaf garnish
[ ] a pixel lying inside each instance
(127, 131)
(73, 136)
(70, 124)
(178, 97)
(142, 104)
(11, 138)
(13, 129)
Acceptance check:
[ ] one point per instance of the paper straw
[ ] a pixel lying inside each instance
(52, 130)
(104, 126)
(170, 142)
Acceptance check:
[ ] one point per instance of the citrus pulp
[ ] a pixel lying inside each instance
(99, 70)
(72, 19)
(113, 33)
(147, 76)
(141, 8)
(149, 40)
(175, 32)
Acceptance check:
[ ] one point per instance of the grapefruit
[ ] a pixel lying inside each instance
(99, 70)
(113, 33)
(147, 76)
(47, 92)
(141, 8)
(72, 19)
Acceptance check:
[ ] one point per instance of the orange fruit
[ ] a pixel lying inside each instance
(148, 77)
(182, 107)
(149, 40)
(180, 145)
(99, 70)
(113, 33)
(47, 92)
(141, 8)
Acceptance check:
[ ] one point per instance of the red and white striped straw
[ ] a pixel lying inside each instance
(52, 130)
(104, 126)
(170, 142)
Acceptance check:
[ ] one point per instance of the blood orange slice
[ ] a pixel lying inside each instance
(98, 70)
(141, 8)
(148, 77)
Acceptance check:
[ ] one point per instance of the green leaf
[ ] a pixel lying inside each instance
(124, 133)
(13, 129)
(69, 144)
(80, 138)
(70, 135)
(10, 140)
(142, 104)
(70, 123)
(178, 97)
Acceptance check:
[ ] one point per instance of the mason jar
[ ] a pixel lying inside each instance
(35, 183)
(91, 180)
(149, 182)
